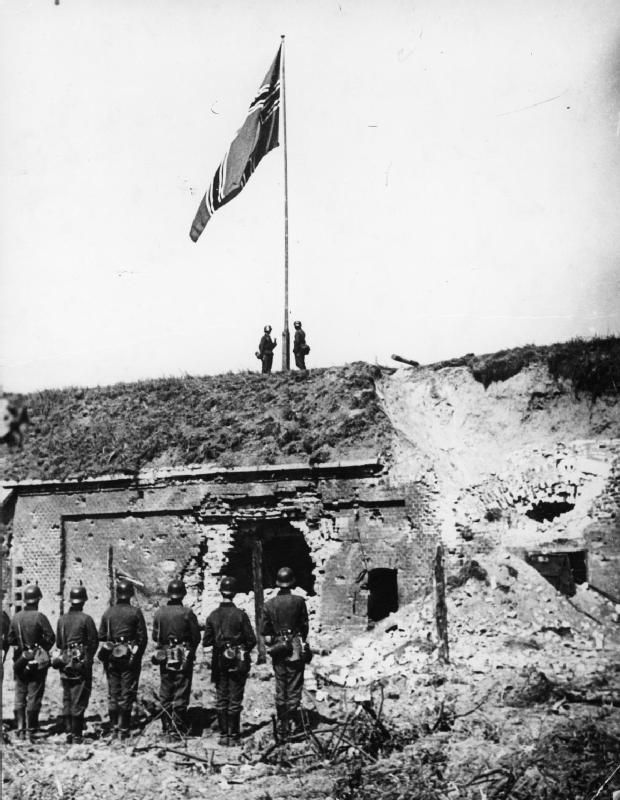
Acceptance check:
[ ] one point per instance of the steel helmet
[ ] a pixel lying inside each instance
(285, 578)
(176, 589)
(267, 328)
(228, 586)
(32, 593)
(297, 324)
(124, 589)
(78, 595)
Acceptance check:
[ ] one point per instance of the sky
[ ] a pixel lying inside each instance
(453, 182)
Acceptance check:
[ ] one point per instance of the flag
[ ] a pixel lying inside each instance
(256, 137)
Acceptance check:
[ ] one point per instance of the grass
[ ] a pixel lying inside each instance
(591, 365)
(231, 420)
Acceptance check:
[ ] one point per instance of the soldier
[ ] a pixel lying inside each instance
(229, 632)
(285, 628)
(76, 637)
(31, 636)
(5, 624)
(123, 632)
(177, 635)
(300, 348)
(265, 349)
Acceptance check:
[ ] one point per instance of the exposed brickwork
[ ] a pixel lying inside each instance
(189, 527)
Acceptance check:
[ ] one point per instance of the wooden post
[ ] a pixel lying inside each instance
(111, 585)
(259, 598)
(441, 610)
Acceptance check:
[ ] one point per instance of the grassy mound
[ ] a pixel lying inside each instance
(230, 420)
(592, 365)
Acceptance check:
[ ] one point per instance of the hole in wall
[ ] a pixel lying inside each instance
(283, 546)
(546, 511)
(563, 570)
(382, 586)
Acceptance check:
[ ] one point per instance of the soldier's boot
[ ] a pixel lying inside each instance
(32, 725)
(77, 726)
(296, 722)
(284, 722)
(113, 715)
(124, 721)
(67, 720)
(222, 723)
(20, 723)
(234, 729)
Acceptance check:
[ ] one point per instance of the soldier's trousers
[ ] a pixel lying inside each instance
(300, 360)
(122, 687)
(289, 683)
(267, 360)
(75, 695)
(29, 690)
(229, 688)
(174, 691)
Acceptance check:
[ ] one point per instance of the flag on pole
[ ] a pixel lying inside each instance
(256, 137)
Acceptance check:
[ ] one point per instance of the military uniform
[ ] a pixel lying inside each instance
(300, 348)
(5, 624)
(286, 617)
(175, 626)
(229, 627)
(123, 624)
(76, 637)
(265, 351)
(28, 630)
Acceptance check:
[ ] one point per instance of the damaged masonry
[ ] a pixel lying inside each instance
(516, 482)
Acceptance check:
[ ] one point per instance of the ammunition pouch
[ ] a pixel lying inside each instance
(307, 653)
(74, 661)
(105, 652)
(159, 657)
(121, 653)
(176, 657)
(235, 658)
(32, 660)
(287, 647)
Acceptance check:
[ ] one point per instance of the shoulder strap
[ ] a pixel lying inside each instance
(21, 637)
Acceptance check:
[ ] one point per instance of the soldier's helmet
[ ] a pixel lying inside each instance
(32, 593)
(228, 586)
(285, 578)
(176, 589)
(297, 324)
(267, 328)
(78, 595)
(124, 589)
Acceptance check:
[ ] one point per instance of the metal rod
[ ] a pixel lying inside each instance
(286, 340)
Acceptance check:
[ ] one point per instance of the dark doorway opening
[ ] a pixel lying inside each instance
(563, 570)
(382, 593)
(547, 511)
(283, 546)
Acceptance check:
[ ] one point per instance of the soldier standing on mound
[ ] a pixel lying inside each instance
(31, 637)
(76, 637)
(124, 637)
(177, 635)
(300, 346)
(265, 350)
(229, 631)
(285, 628)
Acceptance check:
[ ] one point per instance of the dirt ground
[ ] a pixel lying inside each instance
(528, 708)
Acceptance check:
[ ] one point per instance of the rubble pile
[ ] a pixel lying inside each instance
(508, 615)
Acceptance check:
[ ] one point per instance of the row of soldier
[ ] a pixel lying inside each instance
(121, 641)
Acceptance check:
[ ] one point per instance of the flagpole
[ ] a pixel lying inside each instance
(286, 339)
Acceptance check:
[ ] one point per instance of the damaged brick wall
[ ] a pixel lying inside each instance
(62, 534)
(561, 499)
